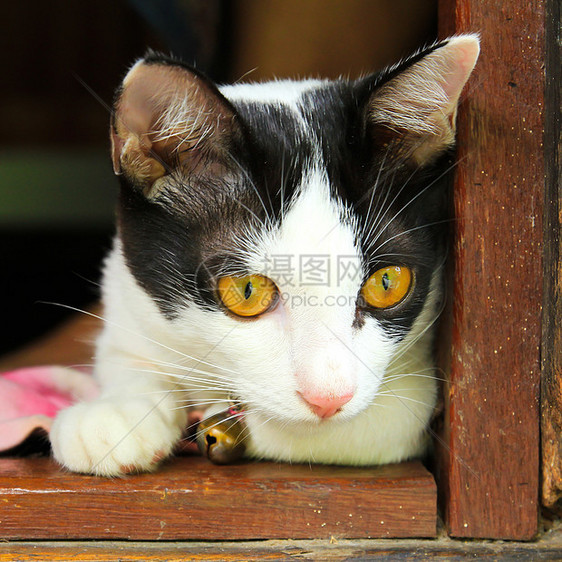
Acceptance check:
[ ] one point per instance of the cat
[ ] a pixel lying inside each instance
(279, 247)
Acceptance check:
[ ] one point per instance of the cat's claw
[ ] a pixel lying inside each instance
(113, 437)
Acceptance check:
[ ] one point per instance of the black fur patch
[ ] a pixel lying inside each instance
(400, 207)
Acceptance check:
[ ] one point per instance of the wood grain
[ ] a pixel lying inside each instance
(191, 499)
(551, 388)
(549, 548)
(491, 474)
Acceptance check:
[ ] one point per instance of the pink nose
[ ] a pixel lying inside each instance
(325, 406)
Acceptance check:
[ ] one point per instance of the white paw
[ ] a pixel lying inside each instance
(111, 437)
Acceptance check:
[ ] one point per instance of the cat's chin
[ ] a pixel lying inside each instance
(308, 422)
(363, 439)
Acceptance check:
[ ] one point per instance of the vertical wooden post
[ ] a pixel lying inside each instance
(551, 387)
(491, 475)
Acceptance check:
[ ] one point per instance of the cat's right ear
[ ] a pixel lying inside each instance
(414, 109)
(168, 119)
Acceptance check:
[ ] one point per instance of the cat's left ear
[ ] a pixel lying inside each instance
(169, 119)
(416, 106)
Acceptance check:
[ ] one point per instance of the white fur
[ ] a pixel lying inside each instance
(282, 92)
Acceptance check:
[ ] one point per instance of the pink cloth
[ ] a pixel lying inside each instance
(31, 397)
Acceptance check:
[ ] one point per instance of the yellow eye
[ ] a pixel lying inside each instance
(249, 295)
(387, 286)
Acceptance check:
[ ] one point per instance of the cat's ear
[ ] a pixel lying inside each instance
(416, 107)
(168, 119)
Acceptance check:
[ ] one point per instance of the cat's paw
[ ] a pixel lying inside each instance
(113, 437)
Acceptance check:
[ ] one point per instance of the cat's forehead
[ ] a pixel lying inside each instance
(296, 130)
(281, 92)
(314, 227)
(296, 115)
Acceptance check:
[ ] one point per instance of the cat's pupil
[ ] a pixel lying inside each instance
(385, 282)
(248, 290)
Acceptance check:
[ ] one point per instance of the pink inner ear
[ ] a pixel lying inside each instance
(462, 53)
(145, 88)
(149, 92)
(135, 112)
(156, 102)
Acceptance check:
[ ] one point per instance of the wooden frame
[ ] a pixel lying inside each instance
(489, 466)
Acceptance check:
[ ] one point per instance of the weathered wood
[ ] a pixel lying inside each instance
(548, 548)
(491, 469)
(191, 499)
(551, 387)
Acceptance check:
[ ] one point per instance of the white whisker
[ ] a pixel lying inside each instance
(146, 338)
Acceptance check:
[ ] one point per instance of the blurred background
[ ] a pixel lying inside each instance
(61, 62)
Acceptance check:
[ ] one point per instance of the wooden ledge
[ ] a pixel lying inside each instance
(191, 499)
(442, 548)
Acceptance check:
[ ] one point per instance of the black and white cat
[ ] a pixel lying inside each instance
(279, 245)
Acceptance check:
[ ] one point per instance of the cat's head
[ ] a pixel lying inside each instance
(290, 232)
